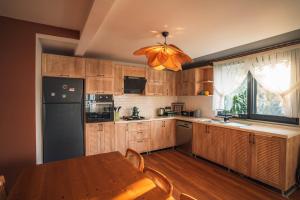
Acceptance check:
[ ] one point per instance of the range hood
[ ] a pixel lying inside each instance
(134, 85)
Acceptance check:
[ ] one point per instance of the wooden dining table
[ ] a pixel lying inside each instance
(97, 177)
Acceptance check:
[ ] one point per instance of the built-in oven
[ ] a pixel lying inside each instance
(99, 108)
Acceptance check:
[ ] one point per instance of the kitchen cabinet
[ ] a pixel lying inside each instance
(155, 76)
(121, 137)
(169, 84)
(238, 156)
(201, 140)
(100, 68)
(268, 159)
(99, 85)
(155, 82)
(63, 66)
(162, 134)
(118, 80)
(99, 138)
(139, 136)
(217, 141)
(154, 89)
(134, 71)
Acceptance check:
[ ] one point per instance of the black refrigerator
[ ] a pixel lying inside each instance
(62, 118)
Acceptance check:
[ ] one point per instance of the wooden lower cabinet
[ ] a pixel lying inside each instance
(139, 136)
(269, 159)
(121, 137)
(162, 134)
(238, 151)
(99, 138)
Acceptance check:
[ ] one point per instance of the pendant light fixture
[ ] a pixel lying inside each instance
(164, 56)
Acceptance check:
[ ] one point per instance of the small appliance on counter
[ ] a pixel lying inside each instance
(134, 116)
(187, 113)
(178, 107)
(99, 108)
(169, 112)
(197, 113)
(160, 111)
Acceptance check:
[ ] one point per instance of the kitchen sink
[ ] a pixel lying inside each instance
(235, 124)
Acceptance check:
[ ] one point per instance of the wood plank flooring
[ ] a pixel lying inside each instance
(207, 181)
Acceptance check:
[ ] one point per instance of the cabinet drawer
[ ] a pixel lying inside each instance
(138, 126)
(138, 135)
(140, 146)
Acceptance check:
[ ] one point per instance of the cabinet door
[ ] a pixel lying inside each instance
(62, 66)
(92, 139)
(99, 85)
(140, 146)
(156, 134)
(106, 68)
(106, 86)
(92, 85)
(238, 154)
(118, 80)
(201, 140)
(169, 133)
(121, 137)
(150, 89)
(134, 71)
(268, 158)
(217, 148)
(108, 137)
(92, 68)
(101, 68)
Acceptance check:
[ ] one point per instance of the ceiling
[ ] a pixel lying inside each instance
(70, 14)
(199, 27)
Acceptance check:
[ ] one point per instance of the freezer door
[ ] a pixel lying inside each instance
(63, 131)
(62, 90)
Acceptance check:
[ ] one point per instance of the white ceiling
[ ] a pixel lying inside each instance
(199, 27)
(70, 14)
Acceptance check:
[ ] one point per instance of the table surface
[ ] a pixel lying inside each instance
(102, 176)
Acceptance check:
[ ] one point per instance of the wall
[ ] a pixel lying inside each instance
(147, 105)
(17, 69)
(204, 103)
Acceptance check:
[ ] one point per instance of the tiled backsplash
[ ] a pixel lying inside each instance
(148, 105)
(204, 103)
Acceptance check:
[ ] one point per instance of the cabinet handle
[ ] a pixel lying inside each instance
(139, 141)
(139, 132)
(100, 129)
(253, 139)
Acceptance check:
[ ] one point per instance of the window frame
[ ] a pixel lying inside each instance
(251, 106)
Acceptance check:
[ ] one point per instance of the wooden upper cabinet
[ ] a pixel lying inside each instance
(238, 154)
(169, 83)
(99, 138)
(63, 66)
(121, 137)
(155, 76)
(118, 80)
(134, 71)
(99, 85)
(100, 68)
(268, 160)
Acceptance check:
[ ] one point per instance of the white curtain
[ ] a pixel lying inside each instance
(279, 72)
(227, 78)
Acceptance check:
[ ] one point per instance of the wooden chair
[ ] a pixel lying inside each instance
(135, 158)
(184, 196)
(160, 180)
(3, 195)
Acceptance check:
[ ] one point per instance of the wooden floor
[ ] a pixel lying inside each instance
(205, 180)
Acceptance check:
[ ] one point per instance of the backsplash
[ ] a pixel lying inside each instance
(204, 103)
(147, 105)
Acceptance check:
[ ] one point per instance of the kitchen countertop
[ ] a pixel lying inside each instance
(283, 131)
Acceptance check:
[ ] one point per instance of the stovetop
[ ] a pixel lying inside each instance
(129, 118)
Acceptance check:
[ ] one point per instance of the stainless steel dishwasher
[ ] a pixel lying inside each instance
(184, 137)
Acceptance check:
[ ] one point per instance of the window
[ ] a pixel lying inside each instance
(252, 101)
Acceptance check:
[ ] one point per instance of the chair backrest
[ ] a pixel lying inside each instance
(135, 158)
(2, 188)
(160, 180)
(184, 196)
